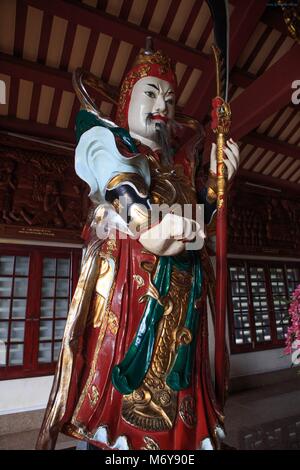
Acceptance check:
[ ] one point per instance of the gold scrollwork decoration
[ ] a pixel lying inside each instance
(93, 395)
(139, 280)
(150, 444)
(113, 323)
(291, 15)
(153, 406)
(152, 290)
(187, 411)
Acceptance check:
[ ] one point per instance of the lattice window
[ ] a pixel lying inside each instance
(36, 287)
(259, 293)
(260, 305)
(280, 296)
(293, 278)
(55, 299)
(240, 304)
(13, 302)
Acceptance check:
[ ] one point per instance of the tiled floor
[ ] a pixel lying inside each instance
(263, 418)
(27, 440)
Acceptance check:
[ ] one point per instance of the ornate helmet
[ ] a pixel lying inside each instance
(147, 64)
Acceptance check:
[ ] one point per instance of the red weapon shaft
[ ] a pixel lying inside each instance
(221, 274)
(221, 116)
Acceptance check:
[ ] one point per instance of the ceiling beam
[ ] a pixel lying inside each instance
(17, 140)
(97, 20)
(36, 129)
(266, 95)
(243, 22)
(61, 80)
(269, 181)
(37, 73)
(240, 78)
(274, 145)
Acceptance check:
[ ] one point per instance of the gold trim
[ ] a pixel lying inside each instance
(111, 245)
(291, 15)
(221, 181)
(139, 280)
(169, 184)
(113, 323)
(103, 286)
(80, 432)
(151, 444)
(103, 327)
(93, 395)
(187, 411)
(212, 187)
(211, 196)
(212, 181)
(123, 178)
(152, 290)
(158, 58)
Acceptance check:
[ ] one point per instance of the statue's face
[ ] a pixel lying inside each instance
(152, 104)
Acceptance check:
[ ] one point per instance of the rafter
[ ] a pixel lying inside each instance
(45, 75)
(41, 74)
(244, 20)
(266, 95)
(274, 145)
(83, 15)
(241, 78)
(36, 129)
(269, 181)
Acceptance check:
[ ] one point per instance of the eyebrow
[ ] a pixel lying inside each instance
(154, 86)
(169, 92)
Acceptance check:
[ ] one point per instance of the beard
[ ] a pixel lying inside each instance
(163, 132)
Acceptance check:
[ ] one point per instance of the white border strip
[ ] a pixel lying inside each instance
(39, 243)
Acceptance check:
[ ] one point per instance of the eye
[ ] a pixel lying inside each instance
(151, 94)
(170, 101)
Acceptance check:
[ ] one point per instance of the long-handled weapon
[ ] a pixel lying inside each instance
(221, 118)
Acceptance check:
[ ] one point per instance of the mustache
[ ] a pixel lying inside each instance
(171, 124)
(163, 138)
(163, 131)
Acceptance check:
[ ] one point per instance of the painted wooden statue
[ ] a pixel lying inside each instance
(133, 372)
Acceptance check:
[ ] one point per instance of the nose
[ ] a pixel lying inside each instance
(160, 106)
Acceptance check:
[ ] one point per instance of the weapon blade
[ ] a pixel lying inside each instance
(220, 12)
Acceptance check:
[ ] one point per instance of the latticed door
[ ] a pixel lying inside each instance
(36, 287)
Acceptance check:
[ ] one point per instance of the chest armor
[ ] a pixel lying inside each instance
(169, 185)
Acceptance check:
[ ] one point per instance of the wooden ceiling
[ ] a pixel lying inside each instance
(42, 42)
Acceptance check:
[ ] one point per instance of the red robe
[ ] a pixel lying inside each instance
(83, 402)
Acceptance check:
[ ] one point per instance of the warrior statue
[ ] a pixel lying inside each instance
(133, 371)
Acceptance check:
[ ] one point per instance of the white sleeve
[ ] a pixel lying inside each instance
(97, 160)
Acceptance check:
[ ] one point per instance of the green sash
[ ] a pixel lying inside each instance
(129, 374)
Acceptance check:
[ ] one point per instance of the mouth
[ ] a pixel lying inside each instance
(159, 118)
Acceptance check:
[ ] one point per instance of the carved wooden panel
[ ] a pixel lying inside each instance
(262, 221)
(41, 197)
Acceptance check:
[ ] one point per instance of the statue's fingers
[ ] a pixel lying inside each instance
(234, 148)
(230, 167)
(213, 158)
(231, 157)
